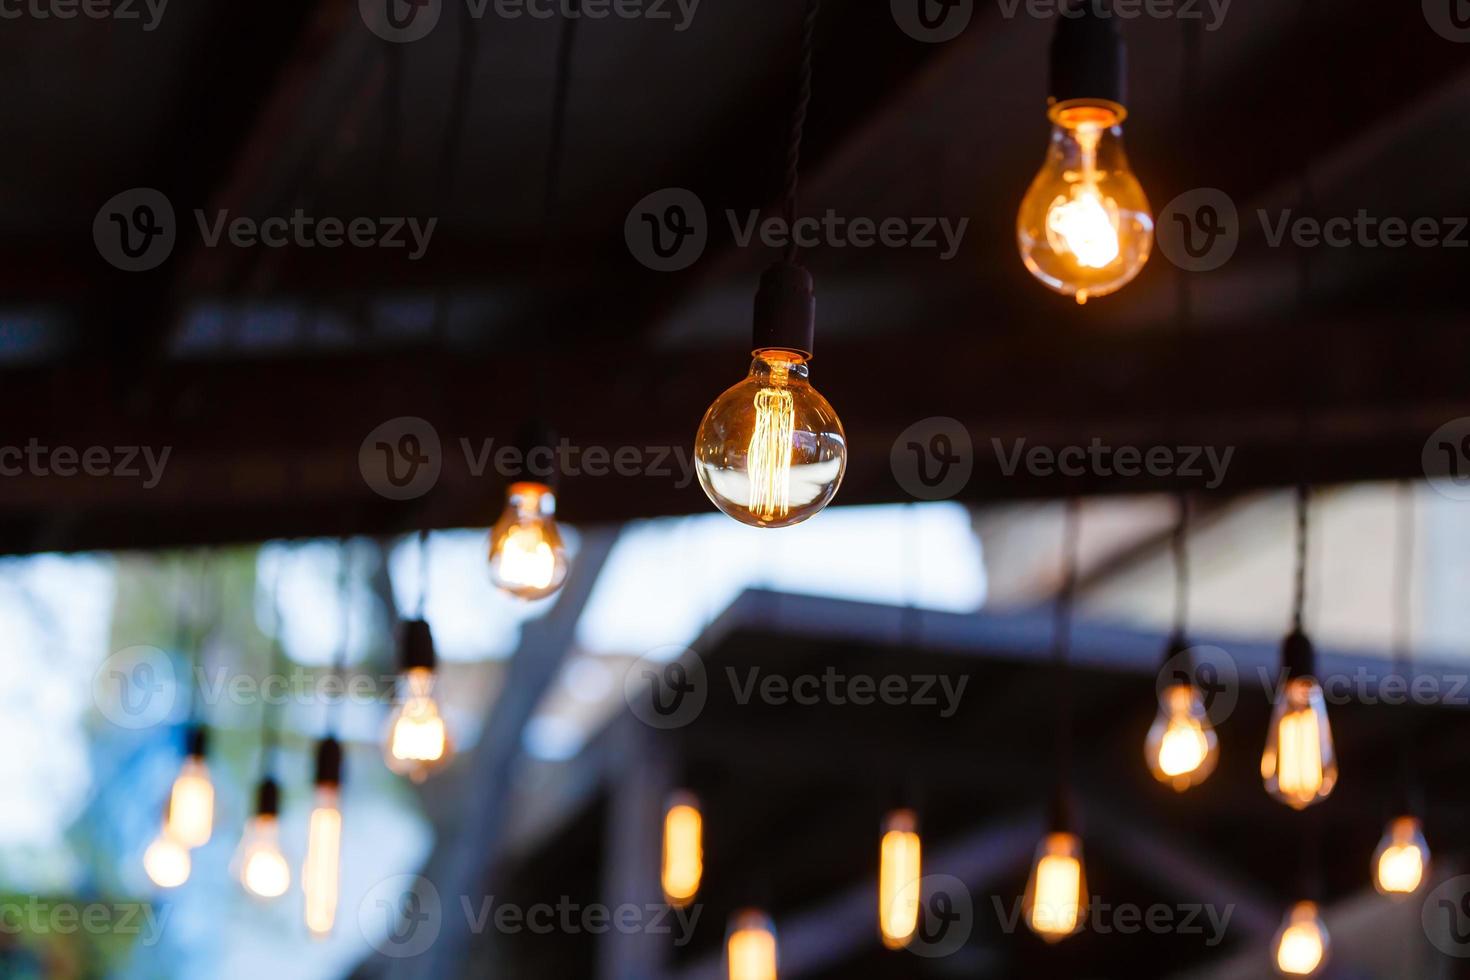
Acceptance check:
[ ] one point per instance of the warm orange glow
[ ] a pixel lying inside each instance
(750, 950)
(683, 851)
(1402, 858)
(418, 739)
(1299, 764)
(320, 878)
(527, 557)
(1182, 748)
(899, 871)
(167, 862)
(1056, 896)
(262, 867)
(1301, 945)
(191, 804)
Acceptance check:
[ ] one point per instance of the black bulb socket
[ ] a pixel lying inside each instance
(267, 798)
(329, 762)
(196, 741)
(1089, 62)
(416, 646)
(1298, 658)
(785, 310)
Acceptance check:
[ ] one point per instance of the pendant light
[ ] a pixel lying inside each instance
(770, 451)
(527, 556)
(1084, 227)
(321, 872)
(683, 849)
(417, 742)
(1055, 904)
(751, 951)
(900, 868)
(1401, 861)
(1299, 764)
(259, 863)
(1302, 943)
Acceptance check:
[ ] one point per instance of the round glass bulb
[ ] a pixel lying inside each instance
(1182, 747)
(527, 556)
(263, 869)
(1402, 858)
(417, 741)
(167, 862)
(1302, 943)
(1084, 227)
(770, 451)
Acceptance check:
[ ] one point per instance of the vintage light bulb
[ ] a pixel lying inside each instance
(1182, 747)
(1084, 227)
(527, 556)
(750, 947)
(191, 801)
(1301, 945)
(1056, 895)
(1402, 858)
(1299, 764)
(683, 850)
(899, 869)
(259, 863)
(321, 874)
(167, 861)
(770, 452)
(417, 742)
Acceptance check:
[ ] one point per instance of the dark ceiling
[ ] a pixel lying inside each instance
(264, 370)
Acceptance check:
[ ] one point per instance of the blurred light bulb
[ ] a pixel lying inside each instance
(1182, 747)
(1301, 945)
(418, 740)
(1401, 859)
(1056, 895)
(191, 804)
(770, 451)
(320, 878)
(167, 861)
(750, 948)
(261, 866)
(1299, 764)
(527, 557)
(899, 871)
(683, 851)
(1084, 226)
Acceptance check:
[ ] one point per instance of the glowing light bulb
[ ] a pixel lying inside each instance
(750, 947)
(683, 851)
(1302, 943)
(1299, 765)
(167, 861)
(1182, 747)
(527, 557)
(770, 451)
(418, 740)
(899, 871)
(1056, 895)
(1084, 226)
(262, 867)
(191, 804)
(1402, 858)
(321, 874)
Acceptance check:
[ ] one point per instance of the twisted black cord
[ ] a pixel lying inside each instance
(269, 728)
(1179, 544)
(1299, 600)
(555, 148)
(450, 148)
(423, 573)
(339, 659)
(1062, 639)
(798, 124)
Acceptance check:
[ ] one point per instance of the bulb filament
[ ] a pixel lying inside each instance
(770, 447)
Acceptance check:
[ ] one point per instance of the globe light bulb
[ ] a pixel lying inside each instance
(770, 451)
(1299, 765)
(262, 868)
(167, 861)
(321, 874)
(750, 947)
(191, 804)
(1402, 858)
(683, 850)
(1056, 895)
(1182, 747)
(899, 869)
(1084, 226)
(527, 557)
(418, 740)
(1302, 943)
